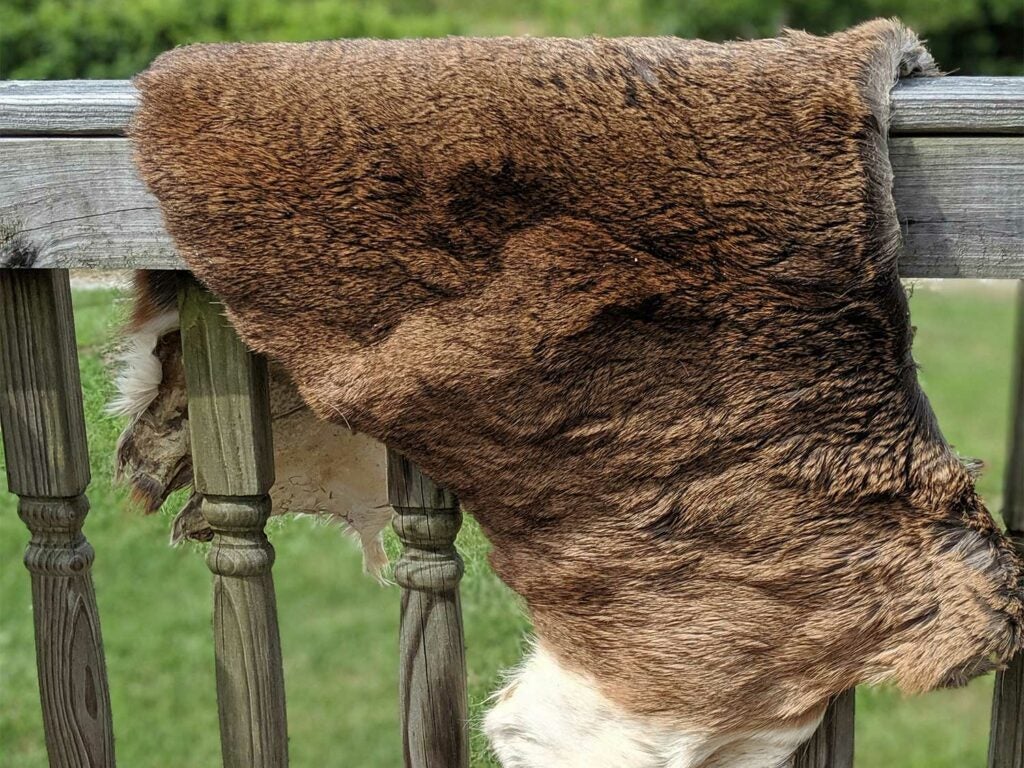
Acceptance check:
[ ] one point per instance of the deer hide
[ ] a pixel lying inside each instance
(636, 302)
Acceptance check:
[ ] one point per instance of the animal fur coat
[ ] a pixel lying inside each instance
(636, 302)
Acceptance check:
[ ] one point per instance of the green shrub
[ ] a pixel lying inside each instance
(51, 39)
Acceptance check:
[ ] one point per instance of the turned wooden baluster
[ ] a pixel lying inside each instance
(831, 746)
(1006, 737)
(233, 457)
(432, 678)
(48, 468)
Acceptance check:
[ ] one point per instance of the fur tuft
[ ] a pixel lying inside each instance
(139, 372)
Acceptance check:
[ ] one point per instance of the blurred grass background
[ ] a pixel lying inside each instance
(49, 39)
(339, 629)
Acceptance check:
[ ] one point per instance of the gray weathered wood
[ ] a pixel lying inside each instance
(944, 105)
(978, 105)
(432, 676)
(960, 203)
(1006, 736)
(66, 107)
(48, 468)
(232, 452)
(78, 203)
(831, 746)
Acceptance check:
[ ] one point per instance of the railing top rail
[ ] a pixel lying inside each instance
(70, 195)
(947, 105)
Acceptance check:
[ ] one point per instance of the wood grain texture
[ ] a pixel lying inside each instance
(432, 677)
(229, 395)
(960, 205)
(41, 397)
(78, 203)
(973, 105)
(48, 468)
(1006, 735)
(979, 105)
(831, 746)
(232, 452)
(66, 107)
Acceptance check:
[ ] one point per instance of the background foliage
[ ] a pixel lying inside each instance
(52, 39)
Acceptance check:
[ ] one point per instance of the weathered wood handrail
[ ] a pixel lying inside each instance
(70, 197)
(972, 105)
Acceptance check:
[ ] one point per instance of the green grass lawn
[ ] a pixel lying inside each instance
(339, 629)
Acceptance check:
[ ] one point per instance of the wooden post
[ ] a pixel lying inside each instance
(1006, 737)
(831, 746)
(233, 457)
(48, 468)
(432, 681)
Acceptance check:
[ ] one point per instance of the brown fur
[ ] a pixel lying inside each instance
(636, 302)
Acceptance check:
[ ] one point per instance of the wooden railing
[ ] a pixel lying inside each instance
(70, 198)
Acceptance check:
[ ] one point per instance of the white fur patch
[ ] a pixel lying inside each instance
(552, 717)
(139, 375)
